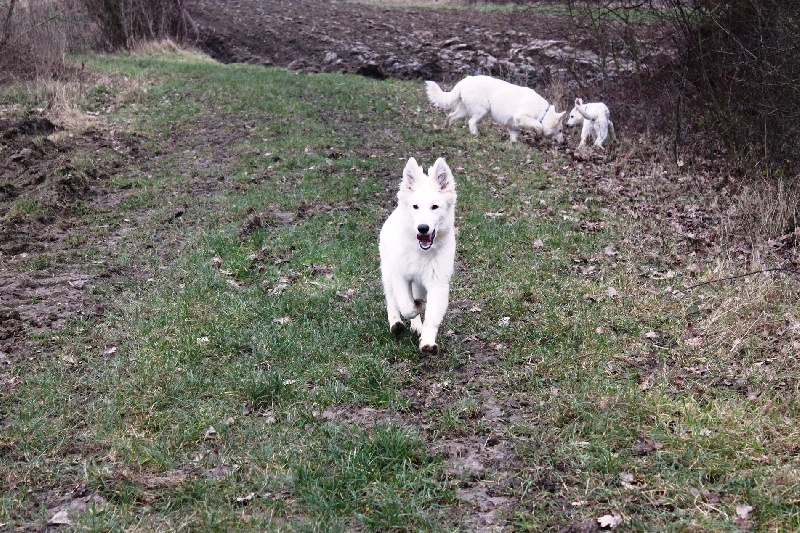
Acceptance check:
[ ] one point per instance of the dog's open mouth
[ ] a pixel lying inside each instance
(426, 241)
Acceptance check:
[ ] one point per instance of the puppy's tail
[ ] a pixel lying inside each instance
(586, 114)
(441, 99)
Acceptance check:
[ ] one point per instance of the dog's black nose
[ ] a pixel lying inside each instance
(423, 229)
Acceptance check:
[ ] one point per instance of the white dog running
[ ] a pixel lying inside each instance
(418, 247)
(510, 105)
(596, 119)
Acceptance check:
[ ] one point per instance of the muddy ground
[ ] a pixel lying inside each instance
(49, 277)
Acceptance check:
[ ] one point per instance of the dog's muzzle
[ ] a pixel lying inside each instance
(426, 240)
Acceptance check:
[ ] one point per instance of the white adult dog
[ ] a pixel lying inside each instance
(418, 247)
(596, 119)
(510, 105)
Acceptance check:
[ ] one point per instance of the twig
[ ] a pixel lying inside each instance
(7, 24)
(728, 278)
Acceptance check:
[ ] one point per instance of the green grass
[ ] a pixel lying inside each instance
(253, 384)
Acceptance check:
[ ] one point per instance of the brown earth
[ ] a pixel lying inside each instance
(381, 42)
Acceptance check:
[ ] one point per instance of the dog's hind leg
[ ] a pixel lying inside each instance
(416, 324)
(419, 293)
(396, 325)
(407, 305)
(601, 132)
(435, 309)
(586, 132)
(611, 131)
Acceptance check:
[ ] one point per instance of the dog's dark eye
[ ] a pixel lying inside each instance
(415, 206)
(434, 207)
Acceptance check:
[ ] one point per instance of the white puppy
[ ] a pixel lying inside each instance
(512, 106)
(418, 247)
(596, 119)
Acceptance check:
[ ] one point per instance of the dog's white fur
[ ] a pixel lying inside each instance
(596, 119)
(417, 248)
(509, 105)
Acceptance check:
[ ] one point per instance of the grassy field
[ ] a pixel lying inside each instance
(244, 379)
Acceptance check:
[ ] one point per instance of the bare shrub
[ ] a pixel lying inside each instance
(36, 36)
(726, 70)
(743, 59)
(768, 212)
(126, 22)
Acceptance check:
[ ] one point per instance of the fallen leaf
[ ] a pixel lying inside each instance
(538, 243)
(743, 511)
(245, 499)
(217, 262)
(611, 292)
(210, 432)
(283, 320)
(60, 518)
(647, 382)
(694, 342)
(221, 471)
(110, 351)
(644, 446)
(627, 480)
(610, 521)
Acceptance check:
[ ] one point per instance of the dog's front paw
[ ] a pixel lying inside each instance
(397, 328)
(428, 349)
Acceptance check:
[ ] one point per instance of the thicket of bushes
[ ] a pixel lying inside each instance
(734, 73)
(124, 23)
(35, 36)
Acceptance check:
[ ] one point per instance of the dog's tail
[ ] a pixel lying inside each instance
(441, 99)
(586, 114)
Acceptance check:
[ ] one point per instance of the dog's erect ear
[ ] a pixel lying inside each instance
(441, 172)
(578, 102)
(560, 116)
(410, 175)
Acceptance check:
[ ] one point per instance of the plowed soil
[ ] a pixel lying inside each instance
(381, 42)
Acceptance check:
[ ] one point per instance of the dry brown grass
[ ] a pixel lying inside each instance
(767, 211)
(40, 34)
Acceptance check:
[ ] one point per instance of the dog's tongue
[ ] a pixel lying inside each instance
(425, 241)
